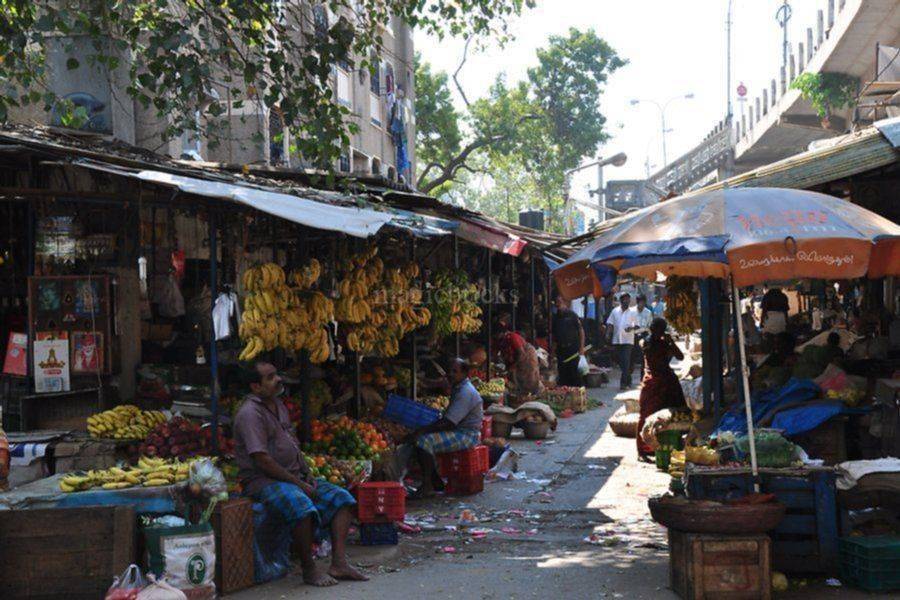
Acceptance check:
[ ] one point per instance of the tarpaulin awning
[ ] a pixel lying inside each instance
(358, 222)
(484, 235)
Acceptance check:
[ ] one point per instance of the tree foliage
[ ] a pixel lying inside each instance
(438, 134)
(185, 56)
(533, 130)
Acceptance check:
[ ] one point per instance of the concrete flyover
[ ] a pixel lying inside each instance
(779, 122)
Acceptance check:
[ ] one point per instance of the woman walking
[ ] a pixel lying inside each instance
(660, 387)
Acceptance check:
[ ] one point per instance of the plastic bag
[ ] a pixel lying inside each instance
(160, 590)
(127, 585)
(186, 555)
(583, 367)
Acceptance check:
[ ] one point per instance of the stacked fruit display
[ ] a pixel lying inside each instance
(344, 473)
(377, 305)
(436, 402)
(682, 311)
(392, 432)
(181, 438)
(454, 304)
(345, 438)
(148, 472)
(319, 398)
(277, 316)
(125, 422)
(496, 386)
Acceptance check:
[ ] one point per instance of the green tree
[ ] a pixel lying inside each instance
(542, 126)
(180, 54)
(438, 135)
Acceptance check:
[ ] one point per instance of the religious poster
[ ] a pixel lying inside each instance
(16, 362)
(51, 366)
(87, 352)
(87, 299)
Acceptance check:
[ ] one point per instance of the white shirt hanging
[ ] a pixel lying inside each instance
(225, 308)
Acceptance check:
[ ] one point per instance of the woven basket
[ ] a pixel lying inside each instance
(624, 424)
(714, 517)
(232, 523)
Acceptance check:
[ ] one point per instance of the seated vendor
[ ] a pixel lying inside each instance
(522, 364)
(273, 472)
(458, 429)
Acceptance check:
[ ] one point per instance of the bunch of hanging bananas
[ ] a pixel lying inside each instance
(125, 422)
(682, 311)
(454, 304)
(307, 276)
(276, 316)
(379, 306)
(149, 472)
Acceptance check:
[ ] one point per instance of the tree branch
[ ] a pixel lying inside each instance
(462, 62)
(448, 171)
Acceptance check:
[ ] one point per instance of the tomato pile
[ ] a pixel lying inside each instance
(346, 438)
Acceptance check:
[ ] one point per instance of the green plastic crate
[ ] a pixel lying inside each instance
(871, 563)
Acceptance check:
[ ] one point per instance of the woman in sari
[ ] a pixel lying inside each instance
(660, 387)
(522, 364)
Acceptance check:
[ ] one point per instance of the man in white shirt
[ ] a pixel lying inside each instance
(621, 325)
(643, 316)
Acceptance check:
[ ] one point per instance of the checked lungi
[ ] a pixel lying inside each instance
(448, 441)
(288, 503)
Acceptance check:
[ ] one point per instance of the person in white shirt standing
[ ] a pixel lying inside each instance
(643, 316)
(621, 325)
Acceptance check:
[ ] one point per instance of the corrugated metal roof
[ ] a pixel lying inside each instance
(842, 157)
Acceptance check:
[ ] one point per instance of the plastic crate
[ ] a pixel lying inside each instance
(464, 462)
(378, 534)
(409, 413)
(871, 563)
(806, 540)
(465, 485)
(381, 502)
(486, 426)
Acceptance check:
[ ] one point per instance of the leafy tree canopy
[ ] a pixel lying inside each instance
(180, 54)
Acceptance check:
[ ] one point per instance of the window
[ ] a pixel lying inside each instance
(343, 87)
(344, 162)
(376, 166)
(375, 77)
(320, 21)
(375, 109)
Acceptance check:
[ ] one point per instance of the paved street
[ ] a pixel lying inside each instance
(584, 480)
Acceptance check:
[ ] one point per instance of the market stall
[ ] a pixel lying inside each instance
(791, 402)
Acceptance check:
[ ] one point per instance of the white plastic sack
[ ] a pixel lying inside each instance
(161, 590)
(583, 367)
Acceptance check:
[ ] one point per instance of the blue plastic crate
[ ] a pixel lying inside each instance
(409, 413)
(806, 540)
(378, 534)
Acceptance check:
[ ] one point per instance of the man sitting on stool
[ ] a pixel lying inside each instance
(458, 429)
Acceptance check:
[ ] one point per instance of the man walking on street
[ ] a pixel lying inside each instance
(621, 322)
(643, 317)
(568, 340)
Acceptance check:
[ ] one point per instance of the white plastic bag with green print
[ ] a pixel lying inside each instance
(187, 557)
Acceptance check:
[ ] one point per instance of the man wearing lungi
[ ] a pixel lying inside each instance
(273, 472)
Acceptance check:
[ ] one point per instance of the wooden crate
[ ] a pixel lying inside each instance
(828, 441)
(232, 523)
(720, 567)
(66, 553)
(806, 540)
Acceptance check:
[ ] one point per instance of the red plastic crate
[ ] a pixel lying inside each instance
(381, 502)
(465, 485)
(486, 426)
(465, 462)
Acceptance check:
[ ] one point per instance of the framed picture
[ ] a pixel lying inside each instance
(51, 366)
(48, 296)
(87, 352)
(87, 298)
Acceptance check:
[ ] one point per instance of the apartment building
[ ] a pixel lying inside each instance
(381, 105)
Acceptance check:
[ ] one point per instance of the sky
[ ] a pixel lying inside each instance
(673, 49)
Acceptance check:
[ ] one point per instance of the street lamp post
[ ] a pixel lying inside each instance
(617, 160)
(662, 113)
